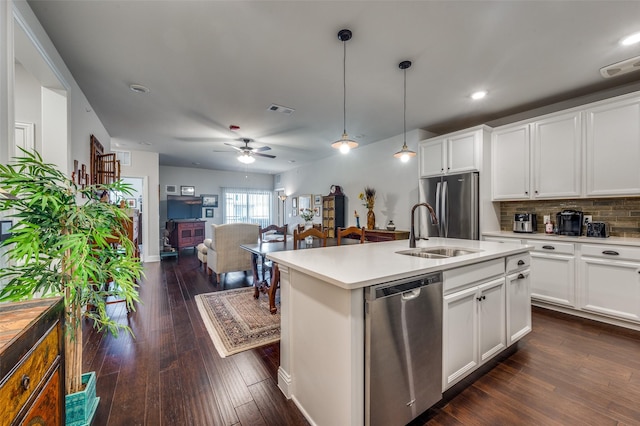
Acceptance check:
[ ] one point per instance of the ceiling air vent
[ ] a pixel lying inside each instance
(622, 67)
(281, 109)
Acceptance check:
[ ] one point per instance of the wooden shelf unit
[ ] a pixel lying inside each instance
(333, 214)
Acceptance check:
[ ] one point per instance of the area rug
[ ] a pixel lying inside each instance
(236, 321)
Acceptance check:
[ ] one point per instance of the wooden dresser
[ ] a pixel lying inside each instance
(31, 363)
(185, 233)
(377, 235)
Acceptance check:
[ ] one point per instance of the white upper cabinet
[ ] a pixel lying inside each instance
(453, 153)
(510, 162)
(613, 148)
(538, 159)
(556, 155)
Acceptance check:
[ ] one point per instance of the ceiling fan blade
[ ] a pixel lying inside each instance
(260, 149)
(263, 155)
(235, 147)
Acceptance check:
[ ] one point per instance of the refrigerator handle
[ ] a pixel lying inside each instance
(438, 190)
(445, 211)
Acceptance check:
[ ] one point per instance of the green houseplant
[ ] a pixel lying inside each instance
(61, 244)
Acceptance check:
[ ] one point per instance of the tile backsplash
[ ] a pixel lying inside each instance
(621, 214)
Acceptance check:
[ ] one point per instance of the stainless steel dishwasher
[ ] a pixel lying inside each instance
(403, 349)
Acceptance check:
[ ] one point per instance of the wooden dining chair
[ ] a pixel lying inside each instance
(280, 231)
(317, 226)
(311, 232)
(349, 233)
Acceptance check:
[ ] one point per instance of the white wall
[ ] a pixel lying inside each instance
(373, 165)
(28, 107)
(145, 165)
(209, 182)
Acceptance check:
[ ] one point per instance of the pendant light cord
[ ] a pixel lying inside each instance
(404, 116)
(344, 87)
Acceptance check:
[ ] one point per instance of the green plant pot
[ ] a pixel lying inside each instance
(80, 407)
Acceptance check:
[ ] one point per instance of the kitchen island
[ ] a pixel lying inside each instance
(322, 354)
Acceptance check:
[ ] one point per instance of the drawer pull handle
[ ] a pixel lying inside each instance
(611, 252)
(521, 277)
(25, 382)
(548, 247)
(520, 262)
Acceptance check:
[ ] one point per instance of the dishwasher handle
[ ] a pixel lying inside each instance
(410, 286)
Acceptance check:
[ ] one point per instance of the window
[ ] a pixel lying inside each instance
(247, 206)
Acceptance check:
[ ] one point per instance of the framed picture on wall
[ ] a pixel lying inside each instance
(294, 205)
(317, 200)
(131, 203)
(208, 212)
(188, 190)
(209, 200)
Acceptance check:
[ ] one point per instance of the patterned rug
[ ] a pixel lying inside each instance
(236, 321)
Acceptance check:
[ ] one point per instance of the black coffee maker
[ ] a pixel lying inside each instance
(569, 222)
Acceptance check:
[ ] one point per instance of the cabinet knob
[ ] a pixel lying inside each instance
(521, 276)
(25, 382)
(536, 191)
(520, 262)
(526, 192)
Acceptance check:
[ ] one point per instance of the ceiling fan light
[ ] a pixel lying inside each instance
(344, 144)
(246, 158)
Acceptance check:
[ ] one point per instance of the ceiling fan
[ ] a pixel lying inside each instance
(248, 153)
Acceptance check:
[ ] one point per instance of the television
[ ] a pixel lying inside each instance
(184, 207)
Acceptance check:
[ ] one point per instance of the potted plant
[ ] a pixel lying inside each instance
(62, 243)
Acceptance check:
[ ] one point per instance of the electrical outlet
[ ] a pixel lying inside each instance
(547, 218)
(588, 219)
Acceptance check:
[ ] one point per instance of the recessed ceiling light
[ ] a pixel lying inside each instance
(629, 40)
(478, 95)
(138, 88)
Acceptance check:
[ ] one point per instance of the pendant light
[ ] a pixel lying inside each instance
(344, 144)
(405, 153)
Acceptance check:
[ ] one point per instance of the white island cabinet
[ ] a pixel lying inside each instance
(322, 354)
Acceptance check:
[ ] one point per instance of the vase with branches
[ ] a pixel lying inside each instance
(369, 199)
(62, 244)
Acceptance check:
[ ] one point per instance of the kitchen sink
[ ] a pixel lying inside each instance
(438, 252)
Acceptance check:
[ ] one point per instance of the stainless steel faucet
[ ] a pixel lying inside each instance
(412, 233)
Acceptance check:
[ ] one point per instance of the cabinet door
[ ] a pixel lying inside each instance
(557, 143)
(463, 152)
(432, 158)
(552, 278)
(491, 319)
(613, 148)
(518, 306)
(611, 287)
(460, 335)
(510, 163)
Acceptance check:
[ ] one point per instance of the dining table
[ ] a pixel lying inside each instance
(261, 249)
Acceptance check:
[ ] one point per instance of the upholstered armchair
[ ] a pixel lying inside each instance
(224, 253)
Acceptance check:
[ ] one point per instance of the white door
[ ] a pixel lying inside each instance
(510, 163)
(557, 148)
(491, 319)
(460, 335)
(518, 306)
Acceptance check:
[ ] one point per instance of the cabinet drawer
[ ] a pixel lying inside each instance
(611, 252)
(24, 379)
(519, 261)
(466, 276)
(551, 247)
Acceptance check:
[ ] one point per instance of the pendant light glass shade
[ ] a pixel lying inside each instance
(405, 153)
(345, 144)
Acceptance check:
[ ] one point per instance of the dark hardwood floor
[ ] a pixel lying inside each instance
(568, 371)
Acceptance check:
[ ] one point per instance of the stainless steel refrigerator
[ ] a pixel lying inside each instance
(456, 203)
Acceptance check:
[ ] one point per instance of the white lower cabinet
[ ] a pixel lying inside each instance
(553, 272)
(518, 305)
(611, 281)
(474, 328)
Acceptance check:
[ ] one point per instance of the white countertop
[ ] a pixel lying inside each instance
(622, 241)
(362, 265)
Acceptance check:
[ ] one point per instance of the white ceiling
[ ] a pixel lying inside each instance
(211, 64)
